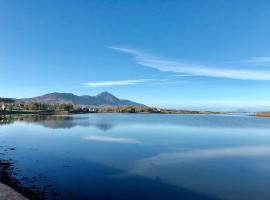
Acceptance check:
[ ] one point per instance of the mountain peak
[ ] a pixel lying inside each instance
(107, 96)
(105, 93)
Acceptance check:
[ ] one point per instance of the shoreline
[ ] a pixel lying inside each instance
(12, 188)
(9, 193)
(184, 112)
(262, 114)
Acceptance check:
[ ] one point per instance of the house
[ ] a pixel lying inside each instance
(84, 109)
(3, 107)
(93, 110)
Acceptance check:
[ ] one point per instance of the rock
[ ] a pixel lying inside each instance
(6, 193)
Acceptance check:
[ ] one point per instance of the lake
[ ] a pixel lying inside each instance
(138, 156)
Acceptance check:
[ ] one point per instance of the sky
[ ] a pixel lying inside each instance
(207, 55)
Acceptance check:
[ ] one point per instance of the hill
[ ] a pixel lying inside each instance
(102, 99)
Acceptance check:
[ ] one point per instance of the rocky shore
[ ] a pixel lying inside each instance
(8, 193)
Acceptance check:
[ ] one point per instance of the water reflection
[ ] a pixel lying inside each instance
(56, 121)
(123, 140)
(144, 156)
(199, 154)
(80, 179)
(106, 122)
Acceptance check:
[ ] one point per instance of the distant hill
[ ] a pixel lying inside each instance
(102, 99)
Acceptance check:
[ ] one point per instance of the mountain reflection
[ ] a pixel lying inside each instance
(56, 121)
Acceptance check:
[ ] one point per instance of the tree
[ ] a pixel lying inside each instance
(63, 107)
(6, 100)
(31, 106)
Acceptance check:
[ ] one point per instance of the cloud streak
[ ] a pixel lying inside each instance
(116, 83)
(179, 67)
(112, 139)
(258, 61)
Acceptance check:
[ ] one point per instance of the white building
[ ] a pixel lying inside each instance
(93, 109)
(3, 107)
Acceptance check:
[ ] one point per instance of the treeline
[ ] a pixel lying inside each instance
(72, 108)
(11, 107)
(6, 100)
(126, 109)
(48, 107)
(33, 106)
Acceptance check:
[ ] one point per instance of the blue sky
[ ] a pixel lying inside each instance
(178, 54)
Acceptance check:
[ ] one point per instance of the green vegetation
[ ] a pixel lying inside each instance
(6, 100)
(47, 107)
(124, 109)
(9, 106)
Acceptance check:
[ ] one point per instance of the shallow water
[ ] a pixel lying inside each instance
(140, 156)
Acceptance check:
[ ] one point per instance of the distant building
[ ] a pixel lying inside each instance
(85, 109)
(93, 110)
(3, 107)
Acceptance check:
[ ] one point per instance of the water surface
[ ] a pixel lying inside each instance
(140, 156)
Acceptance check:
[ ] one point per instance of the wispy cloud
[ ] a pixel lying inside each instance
(258, 61)
(115, 83)
(112, 139)
(182, 75)
(168, 65)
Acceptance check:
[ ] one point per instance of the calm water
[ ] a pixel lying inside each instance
(140, 156)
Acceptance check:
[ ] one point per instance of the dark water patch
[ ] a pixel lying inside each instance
(29, 187)
(86, 180)
(8, 177)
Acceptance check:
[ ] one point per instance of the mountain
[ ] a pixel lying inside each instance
(102, 99)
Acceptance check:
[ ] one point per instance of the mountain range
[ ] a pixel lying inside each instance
(102, 99)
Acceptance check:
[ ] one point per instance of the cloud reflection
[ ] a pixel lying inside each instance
(192, 155)
(112, 139)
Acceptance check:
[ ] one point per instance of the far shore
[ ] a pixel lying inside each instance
(33, 112)
(126, 109)
(263, 114)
